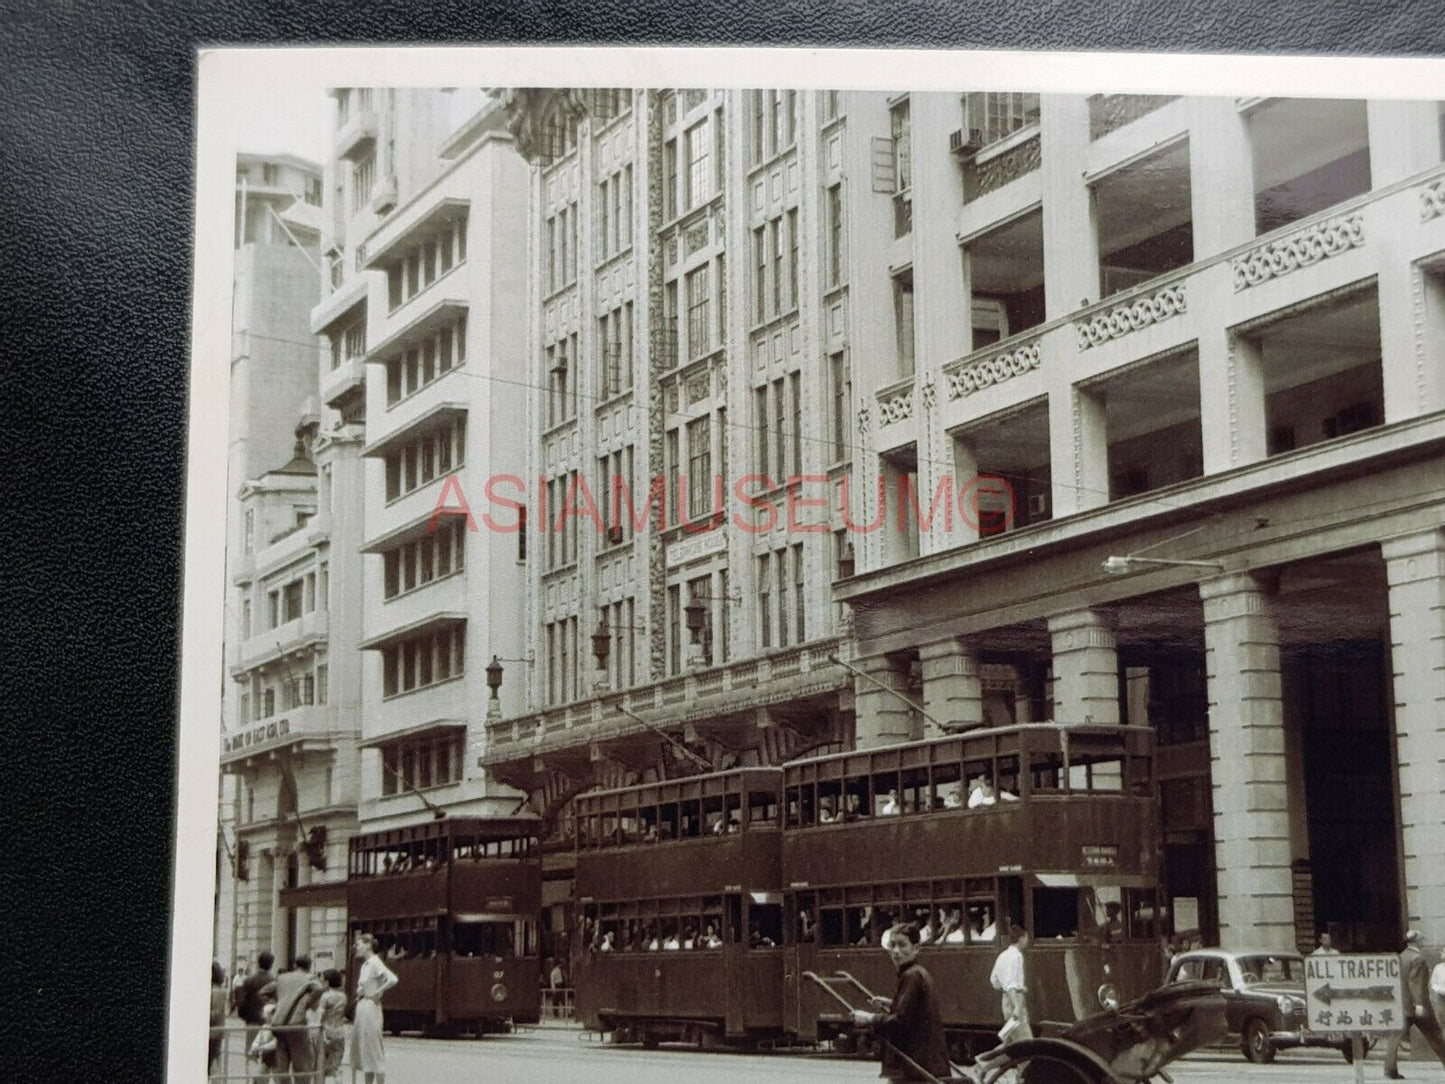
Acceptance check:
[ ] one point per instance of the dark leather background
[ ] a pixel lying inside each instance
(95, 220)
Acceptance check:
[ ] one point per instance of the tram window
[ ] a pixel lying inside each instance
(647, 820)
(489, 938)
(667, 821)
(1101, 913)
(733, 812)
(830, 801)
(1011, 904)
(1046, 770)
(1056, 913)
(712, 923)
(691, 811)
(610, 833)
(762, 808)
(979, 784)
(800, 810)
(1006, 777)
(860, 925)
(713, 821)
(947, 787)
(628, 824)
(806, 929)
(1141, 911)
(979, 910)
(765, 925)
(855, 798)
(887, 801)
(915, 792)
(831, 927)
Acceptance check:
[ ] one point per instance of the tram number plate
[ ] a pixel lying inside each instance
(1096, 856)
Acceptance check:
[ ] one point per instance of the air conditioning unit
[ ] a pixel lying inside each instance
(965, 142)
(1038, 505)
(614, 535)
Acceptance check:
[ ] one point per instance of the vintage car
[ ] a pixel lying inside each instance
(1264, 997)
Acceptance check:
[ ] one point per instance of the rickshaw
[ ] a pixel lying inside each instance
(1130, 1044)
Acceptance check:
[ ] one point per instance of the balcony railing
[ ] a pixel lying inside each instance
(721, 690)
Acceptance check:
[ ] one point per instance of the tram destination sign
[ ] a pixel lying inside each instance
(1354, 993)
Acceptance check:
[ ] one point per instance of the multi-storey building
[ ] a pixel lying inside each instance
(423, 328)
(1153, 329)
(289, 712)
(1185, 356)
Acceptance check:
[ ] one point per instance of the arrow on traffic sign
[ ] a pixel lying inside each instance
(1328, 993)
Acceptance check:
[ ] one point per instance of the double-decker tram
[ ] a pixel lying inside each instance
(1043, 828)
(453, 904)
(682, 925)
(707, 901)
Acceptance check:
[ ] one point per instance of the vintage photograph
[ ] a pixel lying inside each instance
(736, 571)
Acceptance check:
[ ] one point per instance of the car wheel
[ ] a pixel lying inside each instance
(1255, 1043)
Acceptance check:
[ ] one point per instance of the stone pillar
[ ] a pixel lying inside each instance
(1415, 568)
(952, 688)
(1247, 751)
(1078, 449)
(1221, 177)
(278, 913)
(1086, 668)
(1231, 400)
(1404, 139)
(882, 718)
(1071, 245)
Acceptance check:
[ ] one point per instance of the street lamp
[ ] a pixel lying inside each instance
(847, 563)
(696, 614)
(494, 676)
(1116, 565)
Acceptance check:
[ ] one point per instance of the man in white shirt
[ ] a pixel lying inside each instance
(982, 794)
(1007, 977)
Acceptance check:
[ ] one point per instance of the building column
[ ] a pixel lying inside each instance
(1071, 244)
(1415, 569)
(1247, 750)
(1231, 397)
(1086, 668)
(952, 688)
(1221, 177)
(278, 913)
(1078, 449)
(1404, 139)
(882, 717)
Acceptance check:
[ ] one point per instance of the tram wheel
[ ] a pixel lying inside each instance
(650, 1041)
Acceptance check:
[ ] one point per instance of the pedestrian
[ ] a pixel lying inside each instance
(1415, 974)
(1326, 946)
(1008, 979)
(556, 981)
(250, 1003)
(1437, 991)
(911, 1023)
(219, 997)
(372, 981)
(295, 992)
(332, 1011)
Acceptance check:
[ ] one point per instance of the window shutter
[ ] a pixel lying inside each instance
(882, 165)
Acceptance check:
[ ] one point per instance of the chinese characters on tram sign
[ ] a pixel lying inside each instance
(1354, 993)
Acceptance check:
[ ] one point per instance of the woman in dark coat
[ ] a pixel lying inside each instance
(912, 1024)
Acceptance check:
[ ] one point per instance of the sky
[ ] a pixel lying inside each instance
(283, 120)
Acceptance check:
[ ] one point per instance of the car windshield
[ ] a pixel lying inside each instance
(1271, 969)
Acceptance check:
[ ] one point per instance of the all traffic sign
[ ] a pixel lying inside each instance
(1354, 993)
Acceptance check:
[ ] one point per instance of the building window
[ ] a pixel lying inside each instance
(699, 173)
(419, 661)
(765, 609)
(674, 629)
(245, 716)
(903, 321)
(248, 532)
(799, 598)
(669, 180)
(900, 125)
(774, 123)
(421, 763)
(795, 389)
(831, 105)
(780, 566)
(780, 428)
(614, 332)
(834, 258)
(562, 400)
(322, 675)
(842, 389)
(994, 116)
(699, 468)
(418, 563)
(349, 343)
(363, 180)
(419, 266)
(291, 601)
(699, 288)
(426, 457)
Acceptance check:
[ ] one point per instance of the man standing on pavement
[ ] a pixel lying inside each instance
(295, 992)
(1415, 974)
(1008, 978)
(1326, 946)
(250, 999)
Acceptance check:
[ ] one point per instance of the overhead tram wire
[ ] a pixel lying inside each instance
(682, 415)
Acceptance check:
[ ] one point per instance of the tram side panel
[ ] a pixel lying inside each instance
(498, 984)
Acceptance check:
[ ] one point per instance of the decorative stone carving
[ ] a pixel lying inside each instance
(1119, 321)
(1309, 246)
(993, 370)
(997, 172)
(895, 407)
(929, 394)
(1432, 201)
(864, 418)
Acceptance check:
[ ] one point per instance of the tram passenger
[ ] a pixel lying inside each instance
(689, 938)
(607, 944)
(891, 807)
(953, 797)
(826, 815)
(650, 836)
(982, 794)
(710, 939)
(911, 1023)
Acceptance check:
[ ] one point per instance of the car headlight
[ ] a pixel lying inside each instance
(1286, 1005)
(1108, 996)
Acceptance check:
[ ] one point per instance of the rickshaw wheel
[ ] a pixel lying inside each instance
(1044, 1068)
